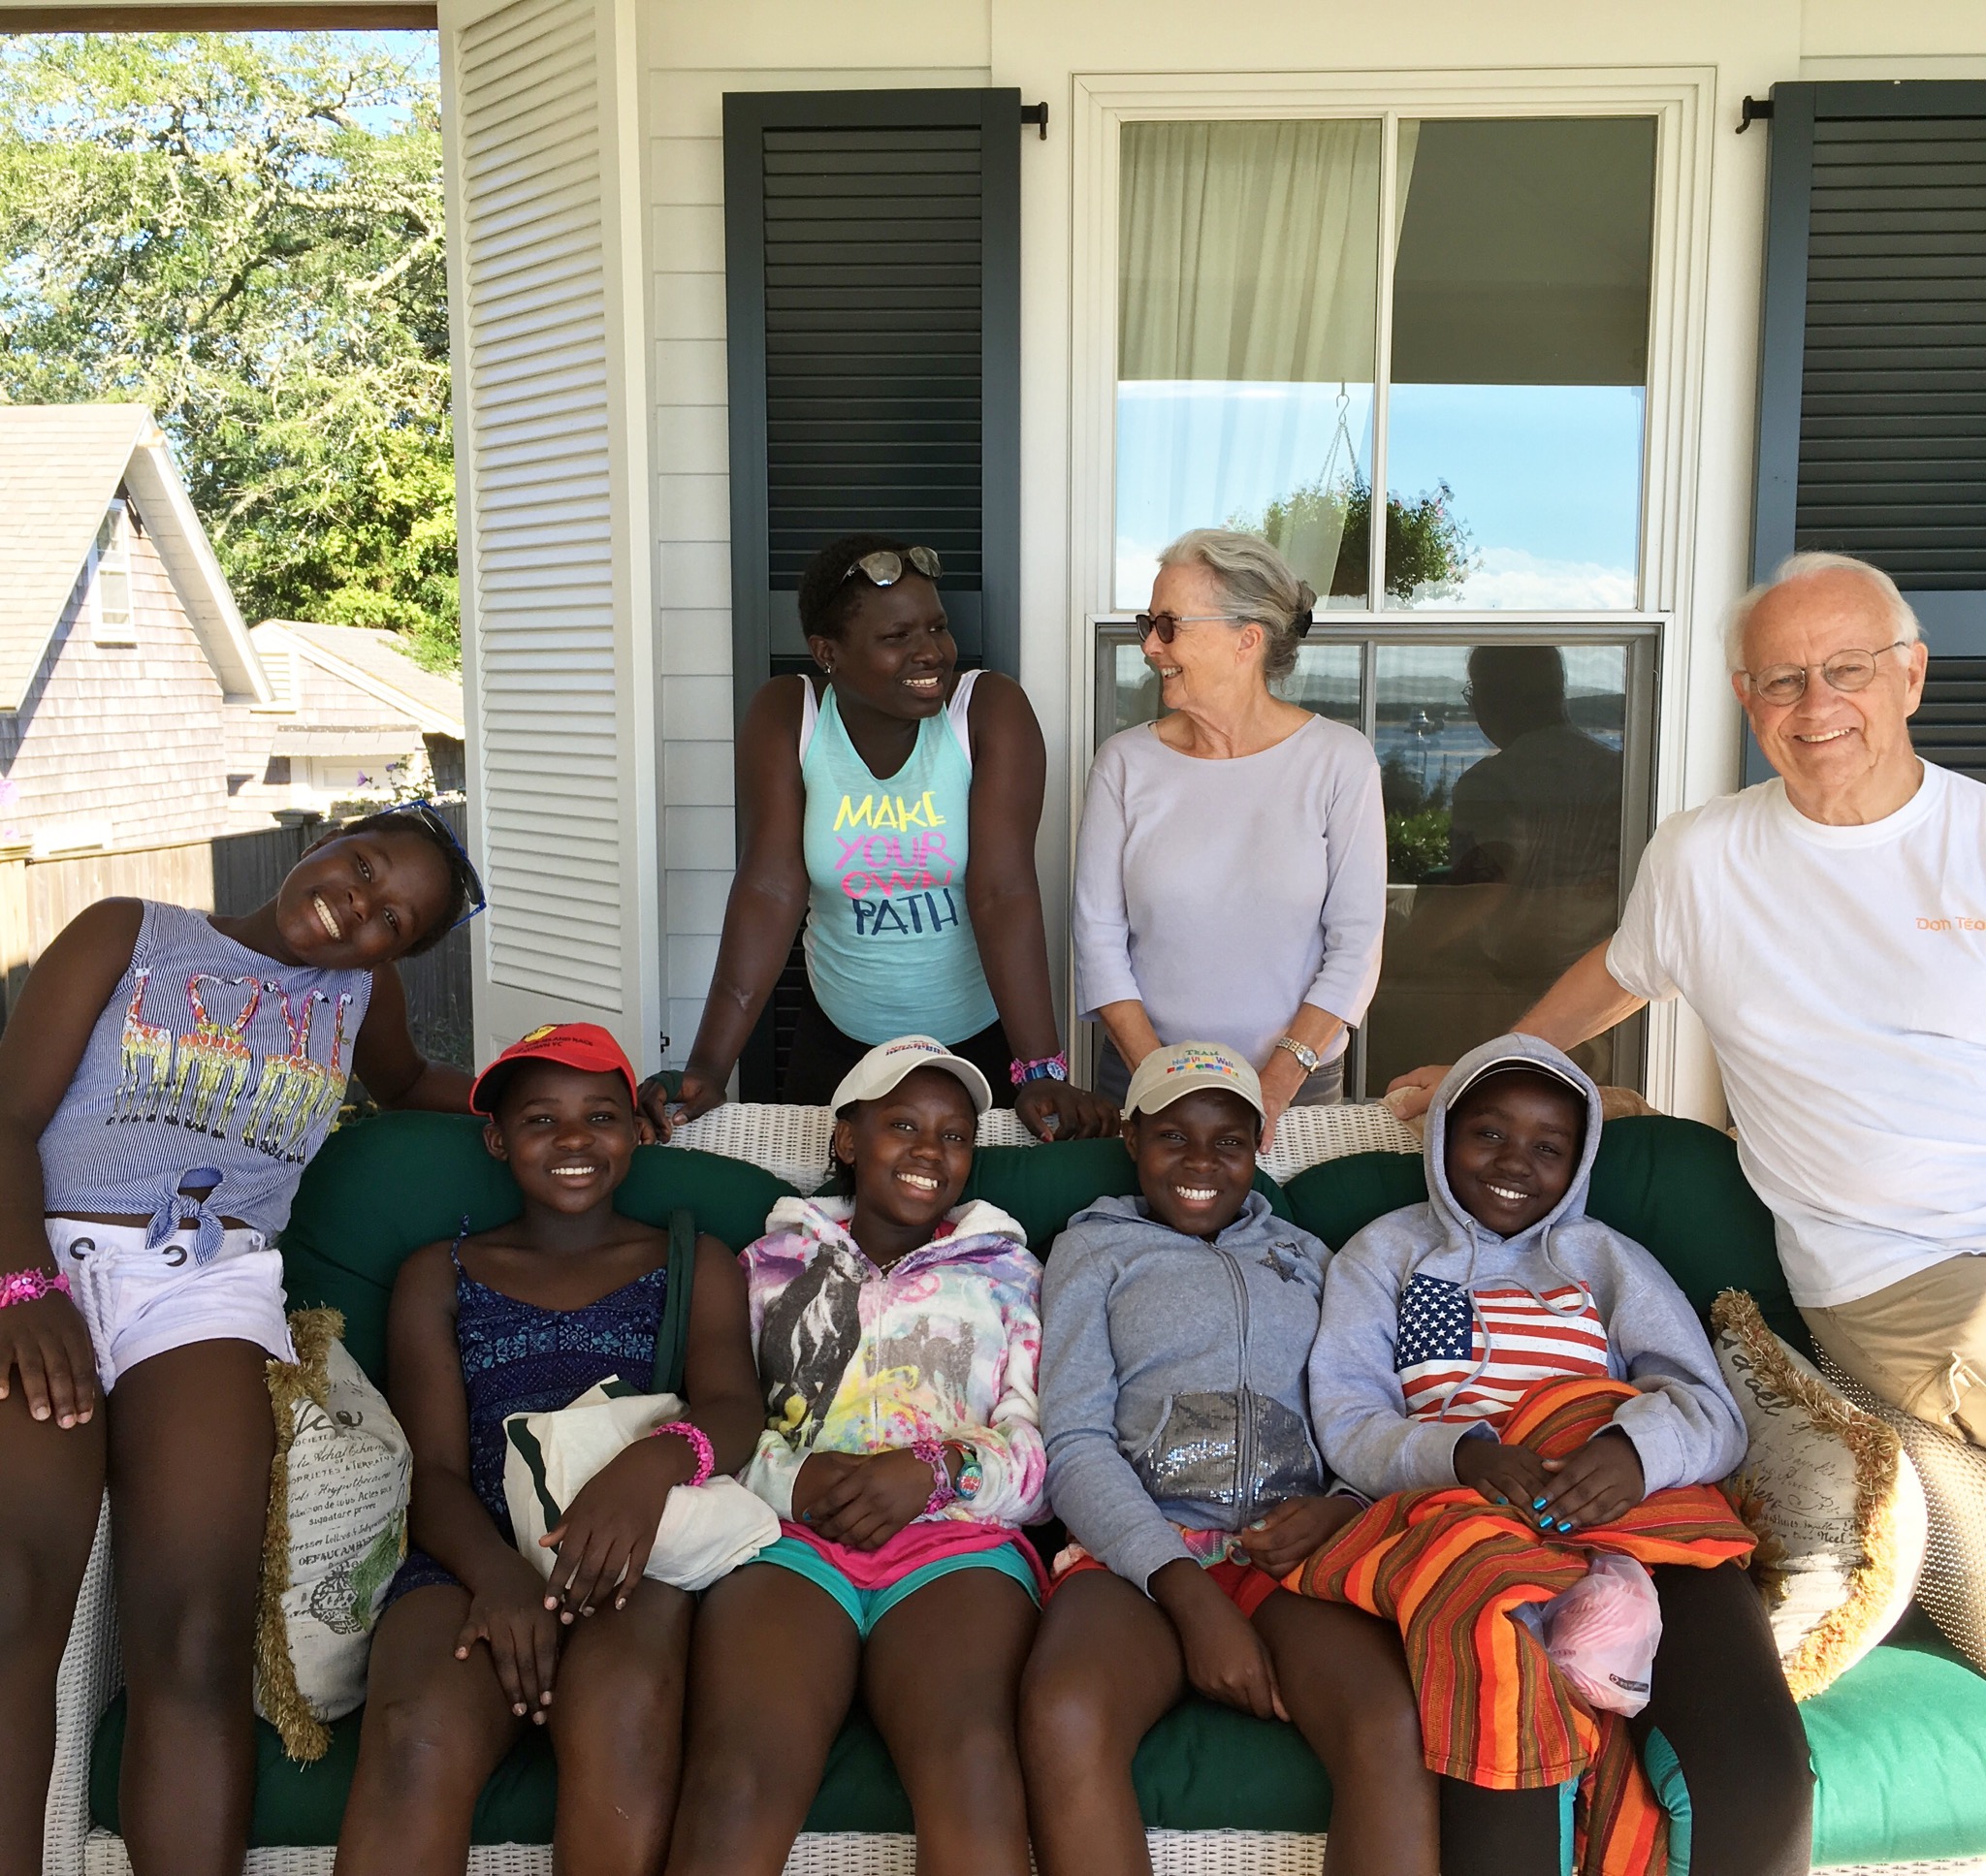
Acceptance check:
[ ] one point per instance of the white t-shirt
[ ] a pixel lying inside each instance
(1842, 975)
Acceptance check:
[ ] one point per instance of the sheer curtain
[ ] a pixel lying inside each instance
(1247, 290)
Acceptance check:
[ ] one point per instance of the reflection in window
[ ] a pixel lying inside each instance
(1247, 297)
(1503, 768)
(1503, 773)
(1329, 678)
(1519, 361)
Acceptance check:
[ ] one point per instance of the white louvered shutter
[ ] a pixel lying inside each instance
(565, 833)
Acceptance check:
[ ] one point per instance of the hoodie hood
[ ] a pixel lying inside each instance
(825, 1219)
(1508, 1052)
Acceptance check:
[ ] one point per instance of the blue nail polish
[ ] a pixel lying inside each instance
(1537, 1504)
(1564, 1524)
(1545, 1523)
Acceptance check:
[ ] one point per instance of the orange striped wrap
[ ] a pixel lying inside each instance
(1451, 1568)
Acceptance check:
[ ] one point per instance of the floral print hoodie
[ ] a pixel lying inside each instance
(943, 1344)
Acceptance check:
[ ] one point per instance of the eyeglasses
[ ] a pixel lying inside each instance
(1786, 683)
(430, 817)
(1165, 624)
(885, 567)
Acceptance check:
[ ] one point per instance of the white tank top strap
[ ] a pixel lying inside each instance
(810, 714)
(956, 712)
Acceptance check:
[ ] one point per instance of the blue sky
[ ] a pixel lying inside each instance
(1546, 477)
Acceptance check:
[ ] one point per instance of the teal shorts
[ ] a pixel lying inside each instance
(865, 1607)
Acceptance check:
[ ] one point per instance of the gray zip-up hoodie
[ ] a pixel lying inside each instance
(1172, 1386)
(1684, 1425)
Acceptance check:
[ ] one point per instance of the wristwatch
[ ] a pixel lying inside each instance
(971, 1474)
(1307, 1058)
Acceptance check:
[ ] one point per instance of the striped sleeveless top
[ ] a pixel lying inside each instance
(212, 1067)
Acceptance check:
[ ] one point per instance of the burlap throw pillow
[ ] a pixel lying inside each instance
(1836, 1502)
(337, 1533)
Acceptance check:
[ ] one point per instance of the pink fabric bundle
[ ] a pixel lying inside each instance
(1602, 1635)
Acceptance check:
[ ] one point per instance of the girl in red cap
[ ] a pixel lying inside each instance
(475, 1644)
(165, 1078)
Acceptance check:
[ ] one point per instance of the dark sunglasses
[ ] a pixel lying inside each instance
(430, 817)
(885, 567)
(1166, 625)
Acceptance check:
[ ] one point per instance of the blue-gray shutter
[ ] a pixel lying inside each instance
(873, 294)
(1872, 429)
(872, 261)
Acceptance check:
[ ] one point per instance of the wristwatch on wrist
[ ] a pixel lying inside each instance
(1307, 1058)
(971, 1474)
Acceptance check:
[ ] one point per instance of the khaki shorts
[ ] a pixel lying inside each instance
(1919, 1344)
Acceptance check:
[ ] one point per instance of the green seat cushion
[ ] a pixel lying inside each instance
(1043, 1186)
(1673, 1186)
(1898, 1746)
(383, 1187)
(304, 1805)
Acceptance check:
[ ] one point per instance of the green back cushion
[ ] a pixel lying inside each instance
(1043, 1186)
(384, 1187)
(1672, 1186)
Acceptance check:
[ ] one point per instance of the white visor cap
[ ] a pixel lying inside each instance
(888, 1062)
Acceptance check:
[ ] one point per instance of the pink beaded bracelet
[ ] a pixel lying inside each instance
(30, 1287)
(943, 1491)
(699, 1444)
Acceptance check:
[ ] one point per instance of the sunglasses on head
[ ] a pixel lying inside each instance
(429, 816)
(885, 566)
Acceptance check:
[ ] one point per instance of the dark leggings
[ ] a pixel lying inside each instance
(822, 1055)
(1721, 1739)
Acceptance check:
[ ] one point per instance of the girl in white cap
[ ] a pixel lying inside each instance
(897, 1334)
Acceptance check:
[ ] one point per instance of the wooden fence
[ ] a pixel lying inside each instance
(232, 873)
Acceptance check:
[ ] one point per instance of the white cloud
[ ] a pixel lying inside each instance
(1511, 579)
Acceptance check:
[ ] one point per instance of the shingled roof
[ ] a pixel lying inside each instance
(61, 465)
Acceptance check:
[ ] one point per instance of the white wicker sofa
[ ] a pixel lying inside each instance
(791, 1144)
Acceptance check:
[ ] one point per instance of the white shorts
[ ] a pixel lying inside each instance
(139, 1302)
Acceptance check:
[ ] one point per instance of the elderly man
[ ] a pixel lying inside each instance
(1829, 927)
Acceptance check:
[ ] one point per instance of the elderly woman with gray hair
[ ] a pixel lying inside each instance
(1231, 870)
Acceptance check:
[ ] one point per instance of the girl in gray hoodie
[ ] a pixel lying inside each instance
(1175, 1330)
(1437, 1318)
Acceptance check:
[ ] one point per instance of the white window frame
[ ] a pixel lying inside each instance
(113, 634)
(1679, 99)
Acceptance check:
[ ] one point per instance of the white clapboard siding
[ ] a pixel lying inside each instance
(536, 334)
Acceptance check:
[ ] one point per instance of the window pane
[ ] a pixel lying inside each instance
(114, 596)
(1503, 773)
(1247, 288)
(1520, 363)
(1327, 679)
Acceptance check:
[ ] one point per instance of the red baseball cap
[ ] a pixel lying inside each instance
(585, 1046)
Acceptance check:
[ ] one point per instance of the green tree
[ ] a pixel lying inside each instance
(244, 231)
(1427, 543)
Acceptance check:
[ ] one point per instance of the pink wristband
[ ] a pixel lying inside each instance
(943, 1491)
(30, 1287)
(699, 1444)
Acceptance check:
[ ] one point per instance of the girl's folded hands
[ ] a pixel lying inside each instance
(862, 1500)
(523, 1636)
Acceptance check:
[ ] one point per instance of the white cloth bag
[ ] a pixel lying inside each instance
(706, 1532)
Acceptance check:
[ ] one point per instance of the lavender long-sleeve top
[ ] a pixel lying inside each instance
(1223, 894)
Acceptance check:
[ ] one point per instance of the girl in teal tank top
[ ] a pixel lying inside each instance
(885, 874)
(856, 789)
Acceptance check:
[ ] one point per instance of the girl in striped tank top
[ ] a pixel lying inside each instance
(165, 1078)
(1521, 1387)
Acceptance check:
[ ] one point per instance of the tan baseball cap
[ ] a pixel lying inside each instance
(1167, 1073)
(888, 1062)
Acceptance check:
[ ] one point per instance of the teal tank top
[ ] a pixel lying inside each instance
(889, 943)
